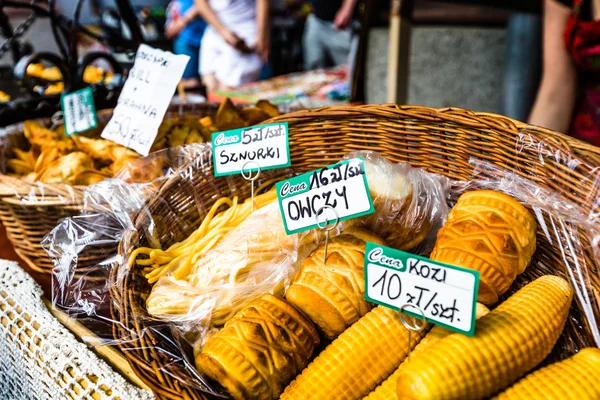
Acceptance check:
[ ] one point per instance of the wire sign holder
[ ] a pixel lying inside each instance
(251, 177)
(57, 120)
(412, 328)
(326, 226)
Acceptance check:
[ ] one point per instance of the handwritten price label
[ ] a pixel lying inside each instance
(342, 186)
(145, 98)
(266, 145)
(445, 293)
(79, 111)
(121, 127)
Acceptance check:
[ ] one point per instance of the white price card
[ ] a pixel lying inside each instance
(79, 111)
(264, 145)
(446, 294)
(342, 187)
(145, 98)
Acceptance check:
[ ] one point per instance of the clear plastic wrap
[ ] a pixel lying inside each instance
(256, 257)
(410, 203)
(84, 248)
(567, 244)
(128, 211)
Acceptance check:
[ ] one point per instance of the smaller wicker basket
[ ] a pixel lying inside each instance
(27, 222)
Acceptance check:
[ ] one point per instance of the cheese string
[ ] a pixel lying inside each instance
(180, 256)
(253, 258)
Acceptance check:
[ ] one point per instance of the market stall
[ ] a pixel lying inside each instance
(301, 90)
(196, 265)
(279, 242)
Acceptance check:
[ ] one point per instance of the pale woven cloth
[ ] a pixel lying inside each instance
(40, 358)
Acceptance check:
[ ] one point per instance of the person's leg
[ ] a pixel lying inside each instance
(312, 44)
(209, 54)
(191, 83)
(352, 54)
(338, 43)
(181, 46)
(211, 82)
(195, 64)
(236, 68)
(190, 76)
(222, 87)
(522, 60)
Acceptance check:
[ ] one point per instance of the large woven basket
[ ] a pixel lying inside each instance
(28, 222)
(439, 140)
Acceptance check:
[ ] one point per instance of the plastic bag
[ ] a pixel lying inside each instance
(410, 203)
(567, 242)
(256, 257)
(84, 248)
(127, 211)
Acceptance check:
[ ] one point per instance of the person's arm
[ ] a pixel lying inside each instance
(178, 24)
(555, 100)
(344, 15)
(190, 15)
(211, 18)
(263, 39)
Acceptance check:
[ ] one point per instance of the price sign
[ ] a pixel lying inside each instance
(342, 187)
(266, 145)
(446, 294)
(79, 111)
(145, 98)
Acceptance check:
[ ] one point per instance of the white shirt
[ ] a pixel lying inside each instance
(230, 66)
(235, 14)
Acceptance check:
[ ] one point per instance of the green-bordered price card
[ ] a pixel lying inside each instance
(267, 146)
(79, 111)
(446, 294)
(342, 186)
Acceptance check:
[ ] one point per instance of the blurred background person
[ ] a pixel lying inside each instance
(186, 28)
(329, 37)
(568, 99)
(522, 62)
(236, 43)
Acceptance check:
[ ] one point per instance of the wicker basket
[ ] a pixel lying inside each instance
(28, 222)
(438, 140)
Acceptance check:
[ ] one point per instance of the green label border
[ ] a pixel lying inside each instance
(307, 176)
(404, 256)
(239, 131)
(62, 107)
